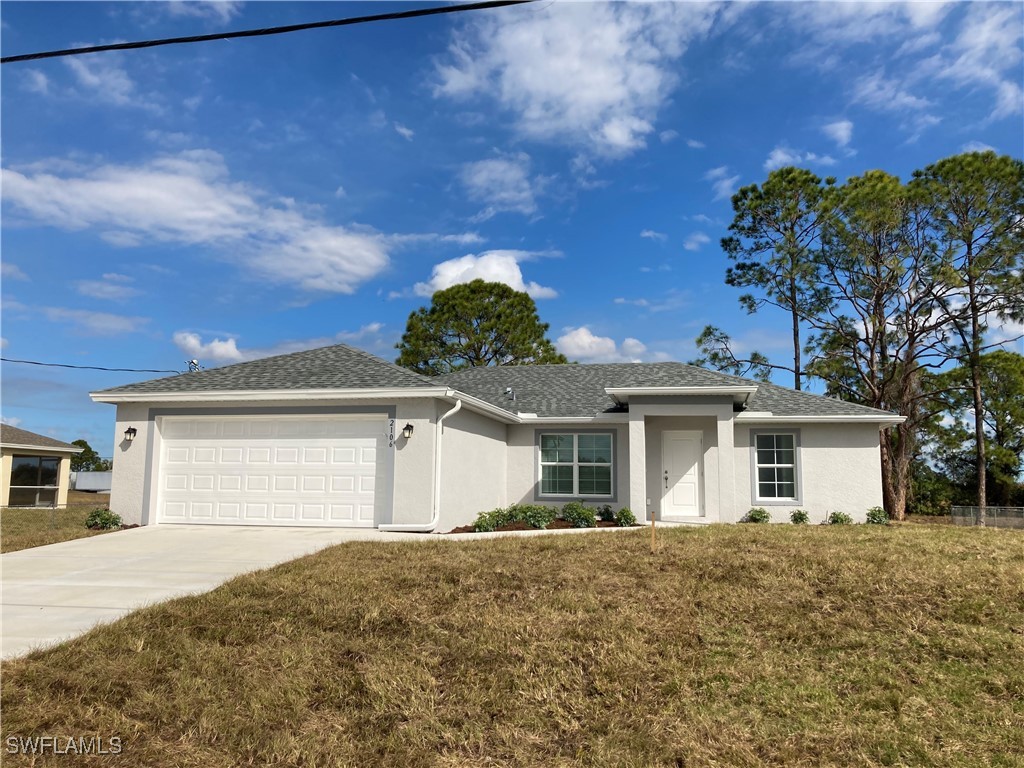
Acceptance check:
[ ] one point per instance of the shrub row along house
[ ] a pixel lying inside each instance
(338, 437)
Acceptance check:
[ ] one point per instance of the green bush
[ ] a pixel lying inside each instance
(798, 517)
(757, 515)
(102, 520)
(534, 515)
(838, 518)
(877, 516)
(625, 517)
(490, 521)
(606, 513)
(579, 515)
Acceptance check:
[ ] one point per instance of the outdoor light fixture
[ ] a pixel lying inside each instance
(407, 431)
(130, 433)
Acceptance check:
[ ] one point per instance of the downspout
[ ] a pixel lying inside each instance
(435, 502)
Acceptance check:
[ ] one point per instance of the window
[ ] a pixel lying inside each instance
(775, 466)
(576, 464)
(34, 481)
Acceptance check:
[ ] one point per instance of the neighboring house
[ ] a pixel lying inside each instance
(338, 437)
(34, 469)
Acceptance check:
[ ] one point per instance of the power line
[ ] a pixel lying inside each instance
(263, 32)
(87, 367)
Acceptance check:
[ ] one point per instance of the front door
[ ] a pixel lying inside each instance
(681, 454)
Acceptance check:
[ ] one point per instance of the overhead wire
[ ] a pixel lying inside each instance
(416, 13)
(87, 367)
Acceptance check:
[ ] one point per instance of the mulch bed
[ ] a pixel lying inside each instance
(521, 526)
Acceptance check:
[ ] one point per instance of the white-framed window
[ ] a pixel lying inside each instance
(576, 464)
(776, 475)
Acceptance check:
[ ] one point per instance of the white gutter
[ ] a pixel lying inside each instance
(883, 420)
(435, 502)
(51, 448)
(739, 393)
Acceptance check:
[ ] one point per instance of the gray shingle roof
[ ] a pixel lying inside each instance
(547, 390)
(13, 436)
(578, 390)
(337, 367)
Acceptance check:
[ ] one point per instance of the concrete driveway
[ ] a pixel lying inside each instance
(59, 591)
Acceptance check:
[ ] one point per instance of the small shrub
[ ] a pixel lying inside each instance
(625, 518)
(579, 515)
(490, 521)
(606, 513)
(534, 515)
(838, 518)
(877, 516)
(102, 520)
(798, 517)
(757, 515)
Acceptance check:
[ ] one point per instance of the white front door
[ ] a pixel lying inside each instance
(681, 454)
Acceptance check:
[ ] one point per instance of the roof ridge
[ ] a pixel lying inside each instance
(378, 359)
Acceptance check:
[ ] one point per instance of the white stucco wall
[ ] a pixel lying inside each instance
(523, 465)
(133, 494)
(839, 470)
(473, 476)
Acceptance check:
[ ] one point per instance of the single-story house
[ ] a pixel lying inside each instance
(339, 437)
(35, 470)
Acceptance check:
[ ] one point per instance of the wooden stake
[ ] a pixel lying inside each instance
(654, 544)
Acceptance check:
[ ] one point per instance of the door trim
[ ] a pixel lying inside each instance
(699, 436)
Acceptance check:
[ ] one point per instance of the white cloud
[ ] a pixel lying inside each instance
(695, 241)
(88, 323)
(215, 10)
(492, 266)
(12, 271)
(782, 156)
(502, 183)
(35, 81)
(841, 132)
(977, 146)
(104, 80)
(225, 351)
(886, 94)
(650, 234)
(581, 344)
(667, 136)
(722, 183)
(13, 421)
(694, 144)
(405, 133)
(3, 343)
(112, 287)
(190, 199)
(340, 192)
(580, 74)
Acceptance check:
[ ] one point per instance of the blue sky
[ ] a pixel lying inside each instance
(235, 199)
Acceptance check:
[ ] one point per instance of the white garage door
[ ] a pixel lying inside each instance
(304, 470)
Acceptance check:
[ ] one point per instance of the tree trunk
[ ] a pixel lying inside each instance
(979, 405)
(797, 373)
(896, 464)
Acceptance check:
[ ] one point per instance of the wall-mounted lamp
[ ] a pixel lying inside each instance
(130, 433)
(407, 431)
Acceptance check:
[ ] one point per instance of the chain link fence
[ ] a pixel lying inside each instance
(996, 517)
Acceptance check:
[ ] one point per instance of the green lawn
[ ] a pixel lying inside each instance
(22, 528)
(731, 646)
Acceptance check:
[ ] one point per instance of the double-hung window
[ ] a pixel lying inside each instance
(576, 464)
(775, 466)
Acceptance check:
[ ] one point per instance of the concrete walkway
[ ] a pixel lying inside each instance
(59, 591)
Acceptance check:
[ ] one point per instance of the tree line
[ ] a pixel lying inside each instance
(892, 291)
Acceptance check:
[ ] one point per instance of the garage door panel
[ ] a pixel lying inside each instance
(267, 471)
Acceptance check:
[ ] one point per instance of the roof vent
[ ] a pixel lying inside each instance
(510, 394)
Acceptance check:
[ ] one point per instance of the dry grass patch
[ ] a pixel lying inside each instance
(22, 527)
(732, 646)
